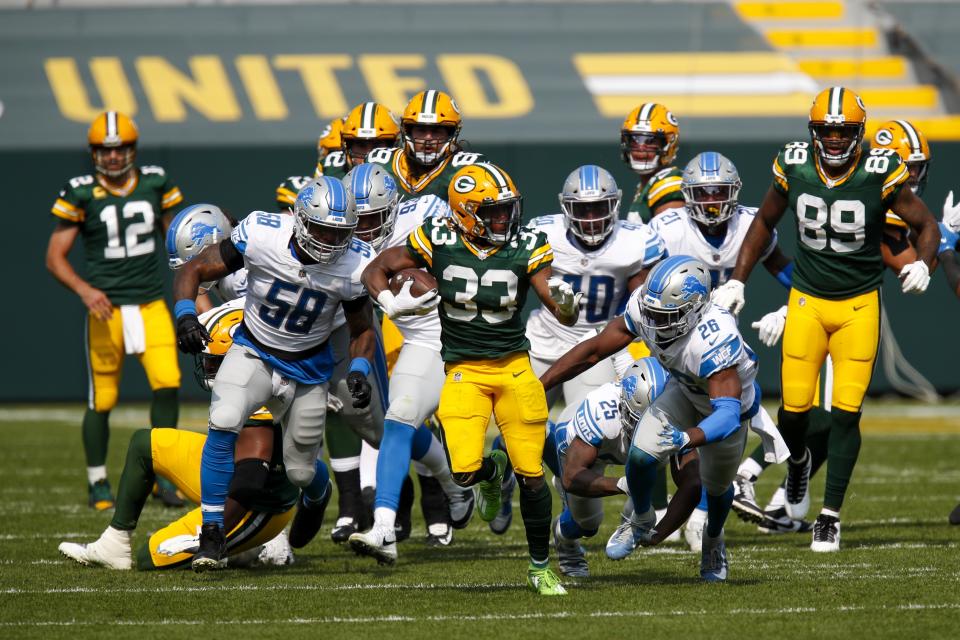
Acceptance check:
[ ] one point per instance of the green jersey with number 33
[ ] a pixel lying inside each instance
(482, 293)
(122, 235)
(839, 221)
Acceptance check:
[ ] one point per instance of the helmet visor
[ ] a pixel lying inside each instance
(836, 140)
(591, 221)
(324, 243)
(711, 203)
(114, 161)
(373, 226)
(207, 365)
(500, 220)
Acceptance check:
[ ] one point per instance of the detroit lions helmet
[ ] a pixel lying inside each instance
(640, 386)
(590, 201)
(671, 302)
(376, 195)
(325, 216)
(194, 228)
(711, 188)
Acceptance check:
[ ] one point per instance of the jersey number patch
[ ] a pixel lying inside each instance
(465, 307)
(295, 317)
(598, 295)
(847, 221)
(137, 237)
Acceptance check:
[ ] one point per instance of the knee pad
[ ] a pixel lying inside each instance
(301, 477)
(225, 417)
(464, 478)
(249, 476)
(403, 409)
(530, 484)
(104, 399)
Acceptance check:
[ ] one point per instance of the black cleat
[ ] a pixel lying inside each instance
(777, 521)
(343, 529)
(166, 492)
(213, 548)
(309, 519)
(955, 515)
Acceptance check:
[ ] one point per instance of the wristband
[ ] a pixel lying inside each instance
(785, 277)
(360, 364)
(184, 308)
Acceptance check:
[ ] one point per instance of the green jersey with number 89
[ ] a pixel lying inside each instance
(482, 292)
(122, 235)
(839, 220)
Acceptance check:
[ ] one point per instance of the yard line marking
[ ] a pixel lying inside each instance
(489, 617)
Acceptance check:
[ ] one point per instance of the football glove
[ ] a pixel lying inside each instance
(192, 337)
(672, 440)
(562, 293)
(771, 326)
(360, 389)
(915, 277)
(623, 486)
(406, 304)
(951, 213)
(729, 295)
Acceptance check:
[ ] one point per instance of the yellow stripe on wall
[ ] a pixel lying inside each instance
(789, 10)
(888, 67)
(613, 64)
(821, 38)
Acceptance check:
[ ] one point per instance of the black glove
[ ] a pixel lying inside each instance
(359, 388)
(192, 337)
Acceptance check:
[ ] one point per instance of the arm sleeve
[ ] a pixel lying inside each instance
(725, 354)
(724, 420)
(542, 254)
(240, 234)
(585, 426)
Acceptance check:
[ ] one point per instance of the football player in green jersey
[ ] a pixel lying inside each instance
(121, 213)
(840, 194)
(649, 141)
(430, 152)
(485, 265)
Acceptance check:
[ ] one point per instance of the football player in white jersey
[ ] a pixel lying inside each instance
(416, 379)
(709, 401)
(300, 269)
(594, 433)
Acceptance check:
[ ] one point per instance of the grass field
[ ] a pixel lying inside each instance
(896, 576)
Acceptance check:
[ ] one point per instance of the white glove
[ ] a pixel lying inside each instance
(405, 304)
(183, 543)
(951, 213)
(623, 486)
(771, 326)
(915, 277)
(729, 295)
(562, 293)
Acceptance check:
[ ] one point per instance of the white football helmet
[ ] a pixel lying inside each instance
(194, 228)
(711, 188)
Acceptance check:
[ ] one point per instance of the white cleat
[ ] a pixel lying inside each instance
(798, 487)
(826, 534)
(110, 550)
(673, 537)
(461, 508)
(631, 532)
(276, 553)
(693, 530)
(713, 559)
(378, 543)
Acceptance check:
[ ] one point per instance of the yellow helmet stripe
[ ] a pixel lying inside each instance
(915, 146)
(836, 101)
(646, 112)
(369, 111)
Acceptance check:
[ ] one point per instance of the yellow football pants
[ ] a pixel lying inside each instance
(105, 354)
(392, 342)
(176, 456)
(849, 330)
(506, 388)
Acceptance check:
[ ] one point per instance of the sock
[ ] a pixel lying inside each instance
(165, 408)
(341, 440)
(641, 471)
(96, 474)
(718, 507)
(136, 482)
(96, 434)
(842, 453)
(433, 503)
(385, 517)
(750, 468)
(569, 528)
(535, 508)
(818, 438)
(830, 512)
(368, 465)
(778, 500)
(349, 504)
(318, 487)
(393, 463)
(435, 460)
(659, 494)
(793, 427)
(216, 471)
(702, 505)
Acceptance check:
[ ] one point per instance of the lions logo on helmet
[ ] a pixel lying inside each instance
(672, 300)
(837, 120)
(641, 384)
(485, 203)
(325, 216)
(436, 112)
(194, 228)
(912, 147)
(108, 131)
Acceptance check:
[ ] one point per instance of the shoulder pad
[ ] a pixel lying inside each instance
(152, 170)
(663, 173)
(79, 181)
(334, 159)
(464, 158)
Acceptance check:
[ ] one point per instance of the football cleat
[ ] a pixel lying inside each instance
(378, 543)
(544, 582)
(693, 530)
(488, 492)
(276, 553)
(713, 559)
(213, 548)
(500, 524)
(166, 492)
(439, 534)
(100, 496)
(110, 550)
(571, 554)
(745, 500)
(826, 534)
(777, 521)
(461, 508)
(308, 519)
(631, 532)
(673, 537)
(343, 529)
(955, 515)
(798, 486)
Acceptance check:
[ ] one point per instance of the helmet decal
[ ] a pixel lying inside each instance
(200, 231)
(464, 184)
(692, 286)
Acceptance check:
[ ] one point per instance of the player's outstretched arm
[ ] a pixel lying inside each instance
(916, 275)
(724, 390)
(686, 475)
(61, 241)
(579, 479)
(213, 263)
(615, 336)
(557, 296)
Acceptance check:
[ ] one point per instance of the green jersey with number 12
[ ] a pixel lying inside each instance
(839, 220)
(482, 292)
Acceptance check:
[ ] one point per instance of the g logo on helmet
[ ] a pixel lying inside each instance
(464, 184)
(883, 137)
(672, 119)
(692, 286)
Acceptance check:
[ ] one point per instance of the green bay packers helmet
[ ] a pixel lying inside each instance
(485, 203)
(649, 138)
(221, 323)
(433, 111)
(111, 131)
(837, 120)
(912, 147)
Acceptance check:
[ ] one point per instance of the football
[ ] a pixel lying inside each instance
(422, 281)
